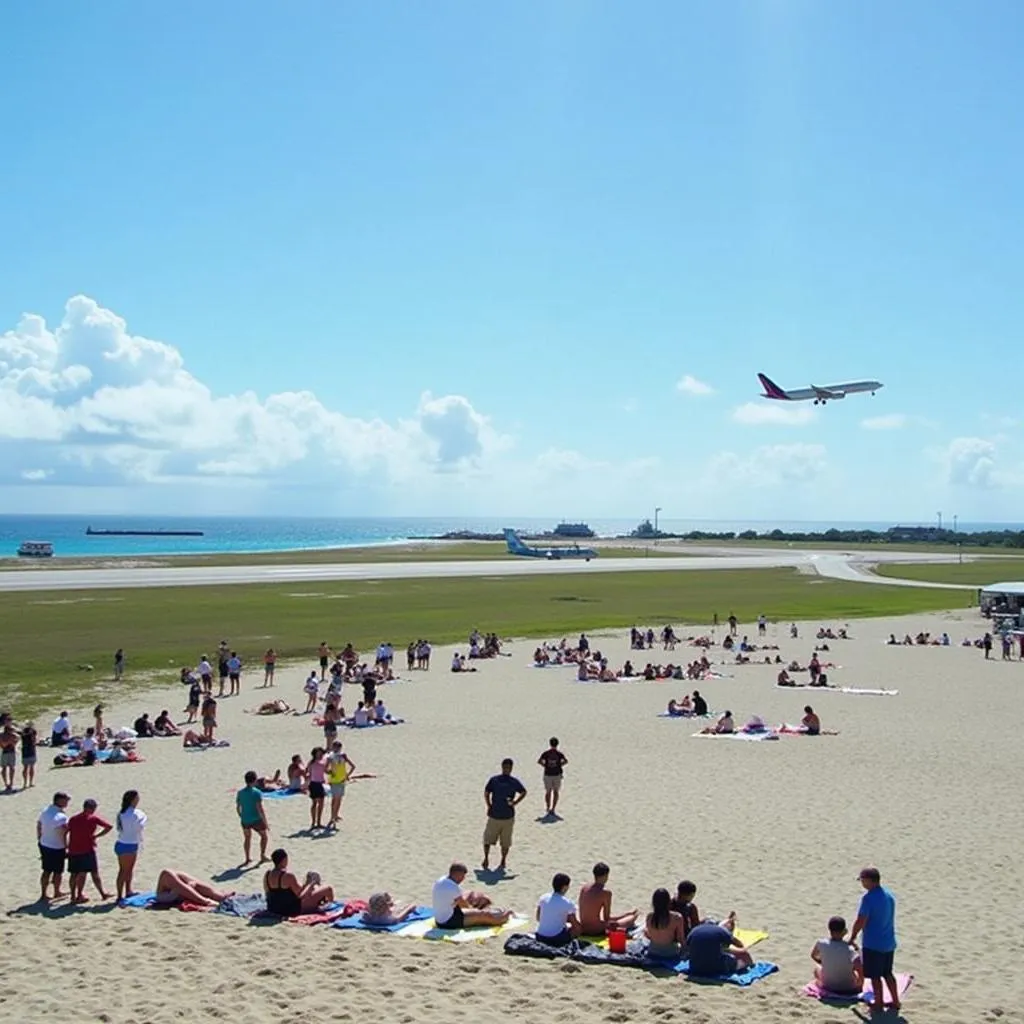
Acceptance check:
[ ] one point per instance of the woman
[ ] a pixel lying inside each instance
(316, 773)
(97, 714)
(380, 911)
(177, 887)
(29, 739)
(269, 664)
(332, 715)
(664, 928)
(130, 825)
(285, 897)
(810, 723)
(296, 775)
(209, 718)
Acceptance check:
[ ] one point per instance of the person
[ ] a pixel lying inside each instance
(235, 674)
(380, 909)
(380, 711)
(286, 897)
(683, 904)
(724, 725)
(316, 773)
(277, 706)
(8, 755)
(454, 910)
(118, 665)
(595, 906)
(163, 726)
(269, 664)
(794, 633)
(715, 951)
(195, 693)
(810, 723)
(97, 716)
(312, 691)
(83, 831)
(205, 672)
(131, 823)
(557, 916)
(296, 774)
(51, 835)
(89, 747)
(784, 678)
(143, 726)
(324, 653)
(338, 768)
(209, 717)
(553, 761)
(29, 741)
(876, 918)
(700, 705)
(501, 795)
(663, 928)
(839, 967)
(60, 732)
(176, 887)
(986, 643)
(361, 716)
(252, 816)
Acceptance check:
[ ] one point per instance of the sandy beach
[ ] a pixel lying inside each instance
(925, 785)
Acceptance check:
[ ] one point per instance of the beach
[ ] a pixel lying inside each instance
(925, 785)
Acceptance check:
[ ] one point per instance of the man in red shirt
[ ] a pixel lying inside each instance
(83, 831)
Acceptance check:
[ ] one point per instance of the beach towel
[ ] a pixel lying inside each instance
(209, 746)
(760, 969)
(798, 730)
(862, 690)
(329, 913)
(903, 982)
(357, 923)
(688, 714)
(748, 936)
(243, 905)
(280, 794)
(750, 736)
(372, 725)
(148, 901)
(426, 929)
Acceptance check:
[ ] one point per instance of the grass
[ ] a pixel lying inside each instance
(981, 573)
(49, 635)
(881, 546)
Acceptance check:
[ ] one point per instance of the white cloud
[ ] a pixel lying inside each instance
(971, 462)
(105, 406)
(771, 465)
(689, 385)
(772, 413)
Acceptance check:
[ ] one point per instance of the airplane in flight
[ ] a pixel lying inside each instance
(820, 395)
(517, 547)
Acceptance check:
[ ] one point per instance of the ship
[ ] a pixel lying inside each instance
(35, 549)
(573, 530)
(90, 532)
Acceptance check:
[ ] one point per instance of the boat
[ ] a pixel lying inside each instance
(35, 549)
(573, 530)
(90, 532)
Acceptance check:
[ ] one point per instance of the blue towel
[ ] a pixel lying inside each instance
(140, 899)
(356, 921)
(280, 794)
(761, 969)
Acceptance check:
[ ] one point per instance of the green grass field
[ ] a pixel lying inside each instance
(49, 635)
(981, 573)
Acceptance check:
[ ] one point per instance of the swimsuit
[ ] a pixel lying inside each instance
(280, 901)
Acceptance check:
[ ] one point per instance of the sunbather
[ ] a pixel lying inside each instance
(176, 887)
(595, 906)
(663, 928)
(273, 707)
(286, 897)
(163, 726)
(454, 909)
(810, 723)
(380, 910)
(839, 967)
(723, 726)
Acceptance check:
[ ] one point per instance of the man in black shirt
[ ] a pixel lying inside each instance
(552, 761)
(700, 705)
(501, 794)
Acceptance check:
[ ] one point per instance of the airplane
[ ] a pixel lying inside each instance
(821, 395)
(517, 547)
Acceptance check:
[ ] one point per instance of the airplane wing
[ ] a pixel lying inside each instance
(832, 392)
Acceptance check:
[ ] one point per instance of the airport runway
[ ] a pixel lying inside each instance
(851, 566)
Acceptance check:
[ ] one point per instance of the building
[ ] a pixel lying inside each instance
(1002, 599)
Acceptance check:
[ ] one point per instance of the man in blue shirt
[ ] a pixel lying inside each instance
(501, 794)
(714, 951)
(876, 918)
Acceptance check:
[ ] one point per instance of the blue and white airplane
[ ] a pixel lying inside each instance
(517, 547)
(820, 395)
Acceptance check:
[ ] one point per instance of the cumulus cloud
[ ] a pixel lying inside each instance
(971, 462)
(689, 385)
(769, 465)
(759, 414)
(101, 405)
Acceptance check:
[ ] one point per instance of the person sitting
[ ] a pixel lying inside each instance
(784, 679)
(683, 904)
(196, 739)
(271, 785)
(595, 906)
(727, 643)
(176, 887)
(380, 910)
(682, 708)
(700, 705)
(892, 641)
(459, 664)
(541, 657)
(286, 897)
(143, 727)
(843, 634)
(715, 951)
(557, 920)
(118, 754)
(755, 724)
(627, 669)
(810, 723)
(839, 969)
(663, 928)
(163, 726)
(454, 910)
(380, 712)
(723, 727)
(944, 640)
(296, 772)
(361, 717)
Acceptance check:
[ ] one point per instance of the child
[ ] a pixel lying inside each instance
(312, 690)
(839, 969)
(316, 773)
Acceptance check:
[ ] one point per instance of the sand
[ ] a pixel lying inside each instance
(925, 785)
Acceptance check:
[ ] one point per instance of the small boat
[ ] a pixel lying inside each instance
(35, 549)
(90, 532)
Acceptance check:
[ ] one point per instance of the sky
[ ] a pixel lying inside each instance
(454, 258)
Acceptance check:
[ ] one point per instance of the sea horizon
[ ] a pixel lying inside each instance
(225, 534)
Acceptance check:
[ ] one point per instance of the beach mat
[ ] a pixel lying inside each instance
(356, 922)
(280, 794)
(148, 901)
(760, 969)
(864, 691)
(798, 730)
(752, 737)
(243, 905)
(815, 991)
(374, 725)
(426, 929)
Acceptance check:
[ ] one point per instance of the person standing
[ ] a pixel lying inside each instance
(324, 653)
(733, 623)
(222, 666)
(553, 761)
(502, 794)
(83, 831)
(131, 823)
(29, 740)
(119, 664)
(762, 624)
(269, 664)
(338, 768)
(8, 755)
(252, 816)
(52, 836)
(235, 673)
(876, 919)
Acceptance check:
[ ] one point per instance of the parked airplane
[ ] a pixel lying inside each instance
(821, 395)
(517, 547)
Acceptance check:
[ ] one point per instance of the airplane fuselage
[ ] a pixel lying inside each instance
(817, 394)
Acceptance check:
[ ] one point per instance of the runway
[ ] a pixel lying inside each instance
(850, 566)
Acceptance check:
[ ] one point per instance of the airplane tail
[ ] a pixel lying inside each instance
(771, 389)
(514, 544)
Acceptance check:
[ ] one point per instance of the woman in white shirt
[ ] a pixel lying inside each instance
(130, 825)
(557, 921)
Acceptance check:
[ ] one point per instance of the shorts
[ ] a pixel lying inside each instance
(254, 826)
(82, 863)
(122, 849)
(269, 668)
(209, 723)
(727, 964)
(8, 758)
(454, 923)
(563, 938)
(316, 791)
(337, 789)
(234, 676)
(206, 678)
(51, 859)
(28, 760)
(89, 758)
(222, 670)
(499, 831)
(876, 963)
(552, 783)
(323, 663)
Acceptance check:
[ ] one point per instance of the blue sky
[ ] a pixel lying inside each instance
(451, 258)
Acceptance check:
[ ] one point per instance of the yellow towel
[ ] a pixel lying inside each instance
(428, 930)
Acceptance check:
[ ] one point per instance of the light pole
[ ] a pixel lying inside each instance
(939, 514)
(954, 523)
(656, 511)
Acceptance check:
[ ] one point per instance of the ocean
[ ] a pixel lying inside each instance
(252, 534)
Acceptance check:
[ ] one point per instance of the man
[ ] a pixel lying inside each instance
(839, 967)
(143, 726)
(324, 653)
(557, 920)
(252, 816)
(222, 666)
(762, 624)
(595, 911)
(205, 672)
(552, 761)
(733, 623)
(715, 952)
(51, 834)
(501, 795)
(453, 910)
(118, 665)
(700, 705)
(338, 768)
(8, 755)
(876, 918)
(60, 733)
(235, 673)
(83, 831)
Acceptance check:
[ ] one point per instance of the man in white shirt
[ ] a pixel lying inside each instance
(557, 920)
(51, 834)
(61, 731)
(839, 969)
(361, 717)
(454, 910)
(380, 711)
